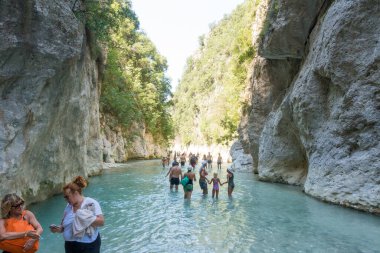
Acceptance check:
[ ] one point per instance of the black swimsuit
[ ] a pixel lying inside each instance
(231, 181)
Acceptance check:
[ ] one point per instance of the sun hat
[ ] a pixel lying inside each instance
(231, 169)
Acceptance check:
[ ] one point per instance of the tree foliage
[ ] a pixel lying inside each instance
(134, 88)
(207, 101)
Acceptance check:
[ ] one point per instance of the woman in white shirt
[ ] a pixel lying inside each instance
(81, 220)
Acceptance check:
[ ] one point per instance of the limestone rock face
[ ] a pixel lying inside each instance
(240, 161)
(287, 26)
(142, 144)
(264, 94)
(49, 89)
(121, 144)
(323, 131)
(113, 145)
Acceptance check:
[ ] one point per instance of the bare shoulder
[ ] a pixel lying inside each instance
(29, 215)
(28, 212)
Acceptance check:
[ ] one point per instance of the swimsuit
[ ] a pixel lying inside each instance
(18, 225)
(189, 186)
(174, 180)
(231, 183)
(216, 184)
(203, 183)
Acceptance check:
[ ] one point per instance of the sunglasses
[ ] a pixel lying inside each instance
(18, 205)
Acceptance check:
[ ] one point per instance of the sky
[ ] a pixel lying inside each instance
(174, 26)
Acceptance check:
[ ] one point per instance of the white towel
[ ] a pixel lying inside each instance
(82, 223)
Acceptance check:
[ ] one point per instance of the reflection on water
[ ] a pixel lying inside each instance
(143, 215)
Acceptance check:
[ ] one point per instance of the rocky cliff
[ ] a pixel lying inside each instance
(49, 87)
(50, 78)
(120, 144)
(313, 102)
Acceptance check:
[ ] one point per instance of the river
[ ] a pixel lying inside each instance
(143, 215)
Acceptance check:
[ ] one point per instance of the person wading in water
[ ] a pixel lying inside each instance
(188, 188)
(230, 181)
(175, 174)
(203, 179)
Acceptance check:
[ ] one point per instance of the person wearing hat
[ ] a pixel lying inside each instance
(19, 229)
(188, 188)
(230, 181)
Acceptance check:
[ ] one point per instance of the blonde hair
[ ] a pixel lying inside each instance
(77, 184)
(215, 174)
(7, 202)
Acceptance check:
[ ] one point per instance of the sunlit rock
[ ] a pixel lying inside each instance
(287, 26)
(49, 127)
(240, 161)
(324, 132)
(120, 144)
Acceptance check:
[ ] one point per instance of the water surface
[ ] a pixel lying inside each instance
(143, 215)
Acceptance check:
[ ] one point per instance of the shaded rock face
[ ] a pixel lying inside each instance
(265, 93)
(292, 19)
(49, 89)
(121, 144)
(323, 134)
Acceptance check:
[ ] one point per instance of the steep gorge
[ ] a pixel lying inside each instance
(313, 117)
(49, 92)
(51, 75)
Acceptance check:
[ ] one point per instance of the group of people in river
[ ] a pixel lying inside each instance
(187, 179)
(20, 231)
(193, 159)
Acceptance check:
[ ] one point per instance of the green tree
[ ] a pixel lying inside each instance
(207, 101)
(134, 88)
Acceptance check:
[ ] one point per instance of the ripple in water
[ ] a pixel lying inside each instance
(142, 215)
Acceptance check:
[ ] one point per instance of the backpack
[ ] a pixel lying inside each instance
(185, 181)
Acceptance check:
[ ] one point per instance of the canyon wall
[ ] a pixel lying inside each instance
(49, 87)
(50, 82)
(120, 144)
(313, 103)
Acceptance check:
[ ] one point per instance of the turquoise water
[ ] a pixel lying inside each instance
(142, 215)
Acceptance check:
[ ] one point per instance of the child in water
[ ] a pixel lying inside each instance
(216, 182)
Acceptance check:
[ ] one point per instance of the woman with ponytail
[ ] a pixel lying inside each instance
(81, 220)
